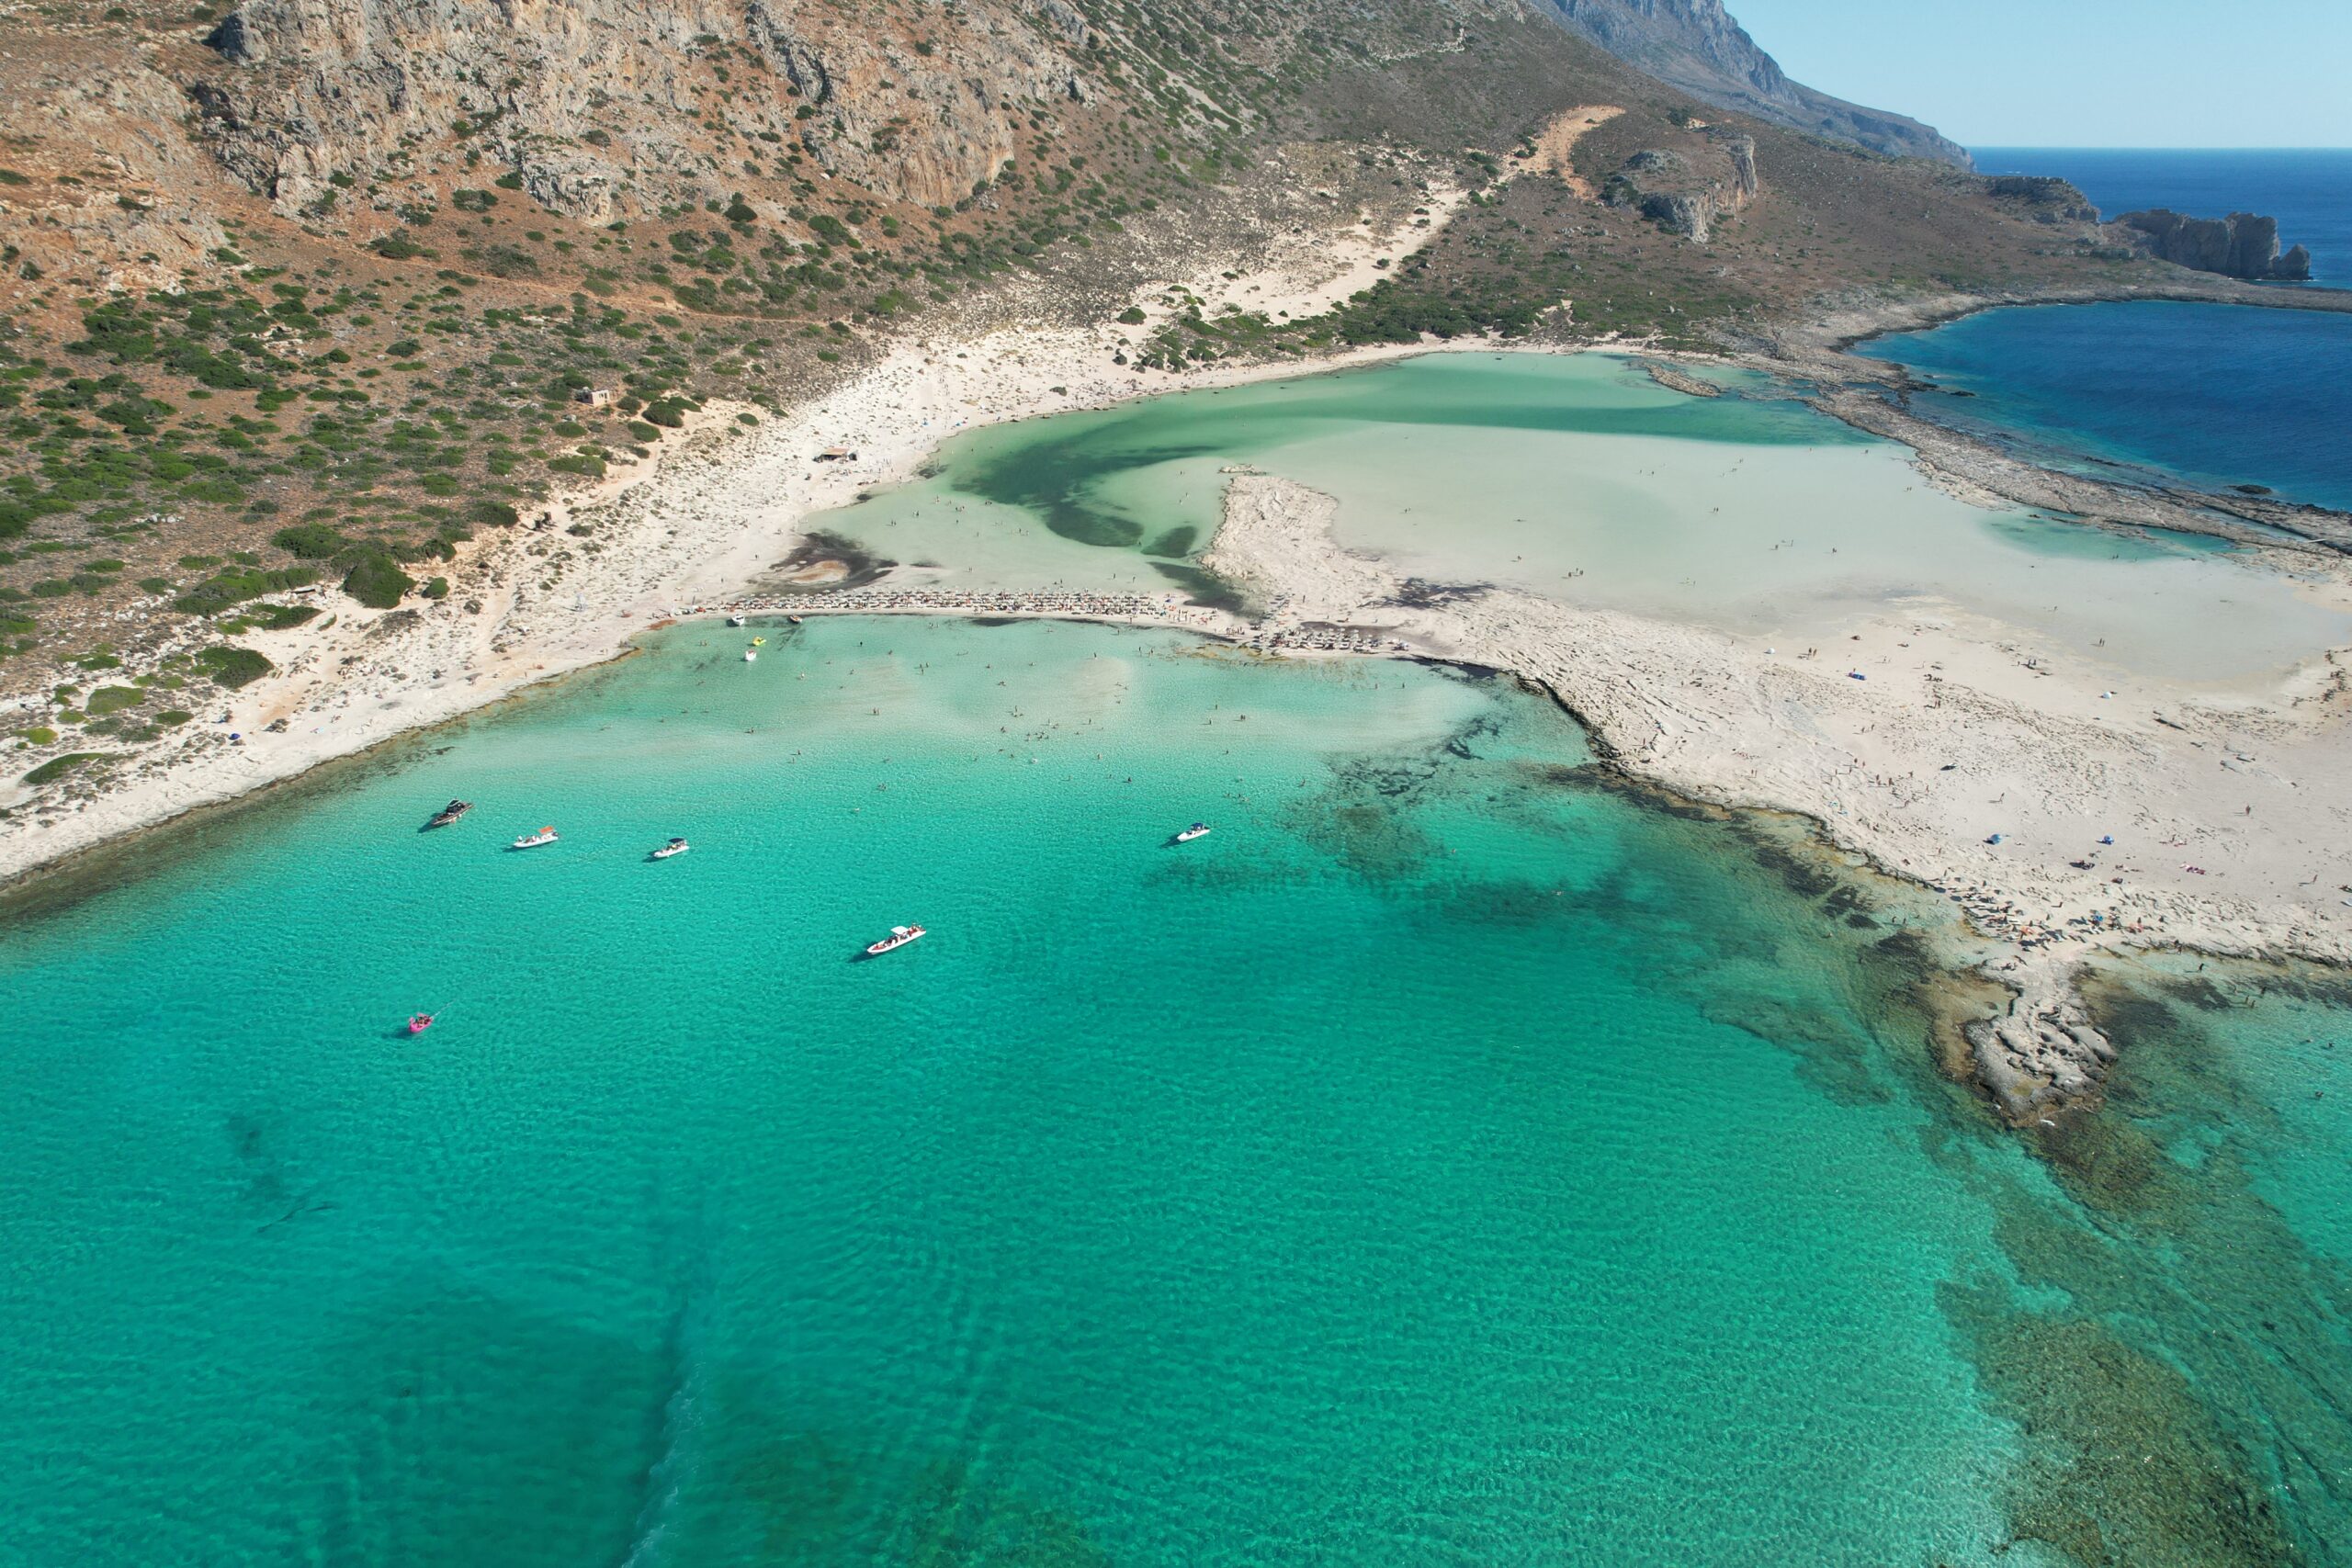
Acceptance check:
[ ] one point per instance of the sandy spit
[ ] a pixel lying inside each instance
(1936, 748)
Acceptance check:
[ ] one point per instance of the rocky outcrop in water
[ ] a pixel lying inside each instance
(1682, 193)
(1696, 46)
(2043, 1053)
(2244, 244)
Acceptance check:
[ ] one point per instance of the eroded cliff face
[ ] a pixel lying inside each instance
(1698, 46)
(606, 106)
(1689, 194)
(2244, 244)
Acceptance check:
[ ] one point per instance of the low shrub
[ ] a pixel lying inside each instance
(58, 767)
(310, 541)
(114, 699)
(229, 589)
(232, 667)
(377, 581)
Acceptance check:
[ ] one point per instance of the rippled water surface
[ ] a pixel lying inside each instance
(1452, 1158)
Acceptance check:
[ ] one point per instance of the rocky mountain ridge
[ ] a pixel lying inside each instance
(1698, 46)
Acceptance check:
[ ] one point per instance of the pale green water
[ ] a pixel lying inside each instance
(1582, 478)
(1449, 1160)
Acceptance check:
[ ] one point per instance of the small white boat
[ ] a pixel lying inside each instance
(750, 656)
(674, 847)
(1197, 831)
(737, 621)
(533, 841)
(900, 936)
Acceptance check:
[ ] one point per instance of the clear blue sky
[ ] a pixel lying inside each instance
(2079, 72)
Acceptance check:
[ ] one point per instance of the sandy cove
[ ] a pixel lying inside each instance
(2230, 814)
(718, 505)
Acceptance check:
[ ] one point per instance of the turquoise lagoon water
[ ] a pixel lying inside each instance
(1581, 478)
(1454, 1159)
(2214, 395)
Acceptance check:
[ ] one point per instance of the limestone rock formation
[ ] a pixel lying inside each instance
(2243, 245)
(1696, 46)
(2042, 1054)
(1684, 197)
(601, 106)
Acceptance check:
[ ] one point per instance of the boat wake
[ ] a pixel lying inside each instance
(674, 1437)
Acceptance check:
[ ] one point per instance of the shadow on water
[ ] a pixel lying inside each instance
(859, 565)
(463, 1428)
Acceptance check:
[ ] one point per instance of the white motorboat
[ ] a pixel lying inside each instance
(750, 656)
(1197, 831)
(738, 620)
(533, 841)
(900, 936)
(674, 847)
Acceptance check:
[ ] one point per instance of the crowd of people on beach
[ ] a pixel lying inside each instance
(1321, 639)
(1264, 636)
(935, 601)
(2000, 917)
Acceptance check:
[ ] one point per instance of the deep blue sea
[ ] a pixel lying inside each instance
(2308, 189)
(2211, 395)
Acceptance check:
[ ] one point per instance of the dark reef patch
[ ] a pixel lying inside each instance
(1175, 544)
(860, 565)
(2178, 1356)
(2124, 1466)
(1204, 587)
(1419, 593)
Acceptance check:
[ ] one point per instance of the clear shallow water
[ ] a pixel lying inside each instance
(2215, 395)
(2226, 1148)
(2308, 189)
(1582, 478)
(1451, 1159)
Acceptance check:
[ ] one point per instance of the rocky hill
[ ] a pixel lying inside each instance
(1696, 46)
